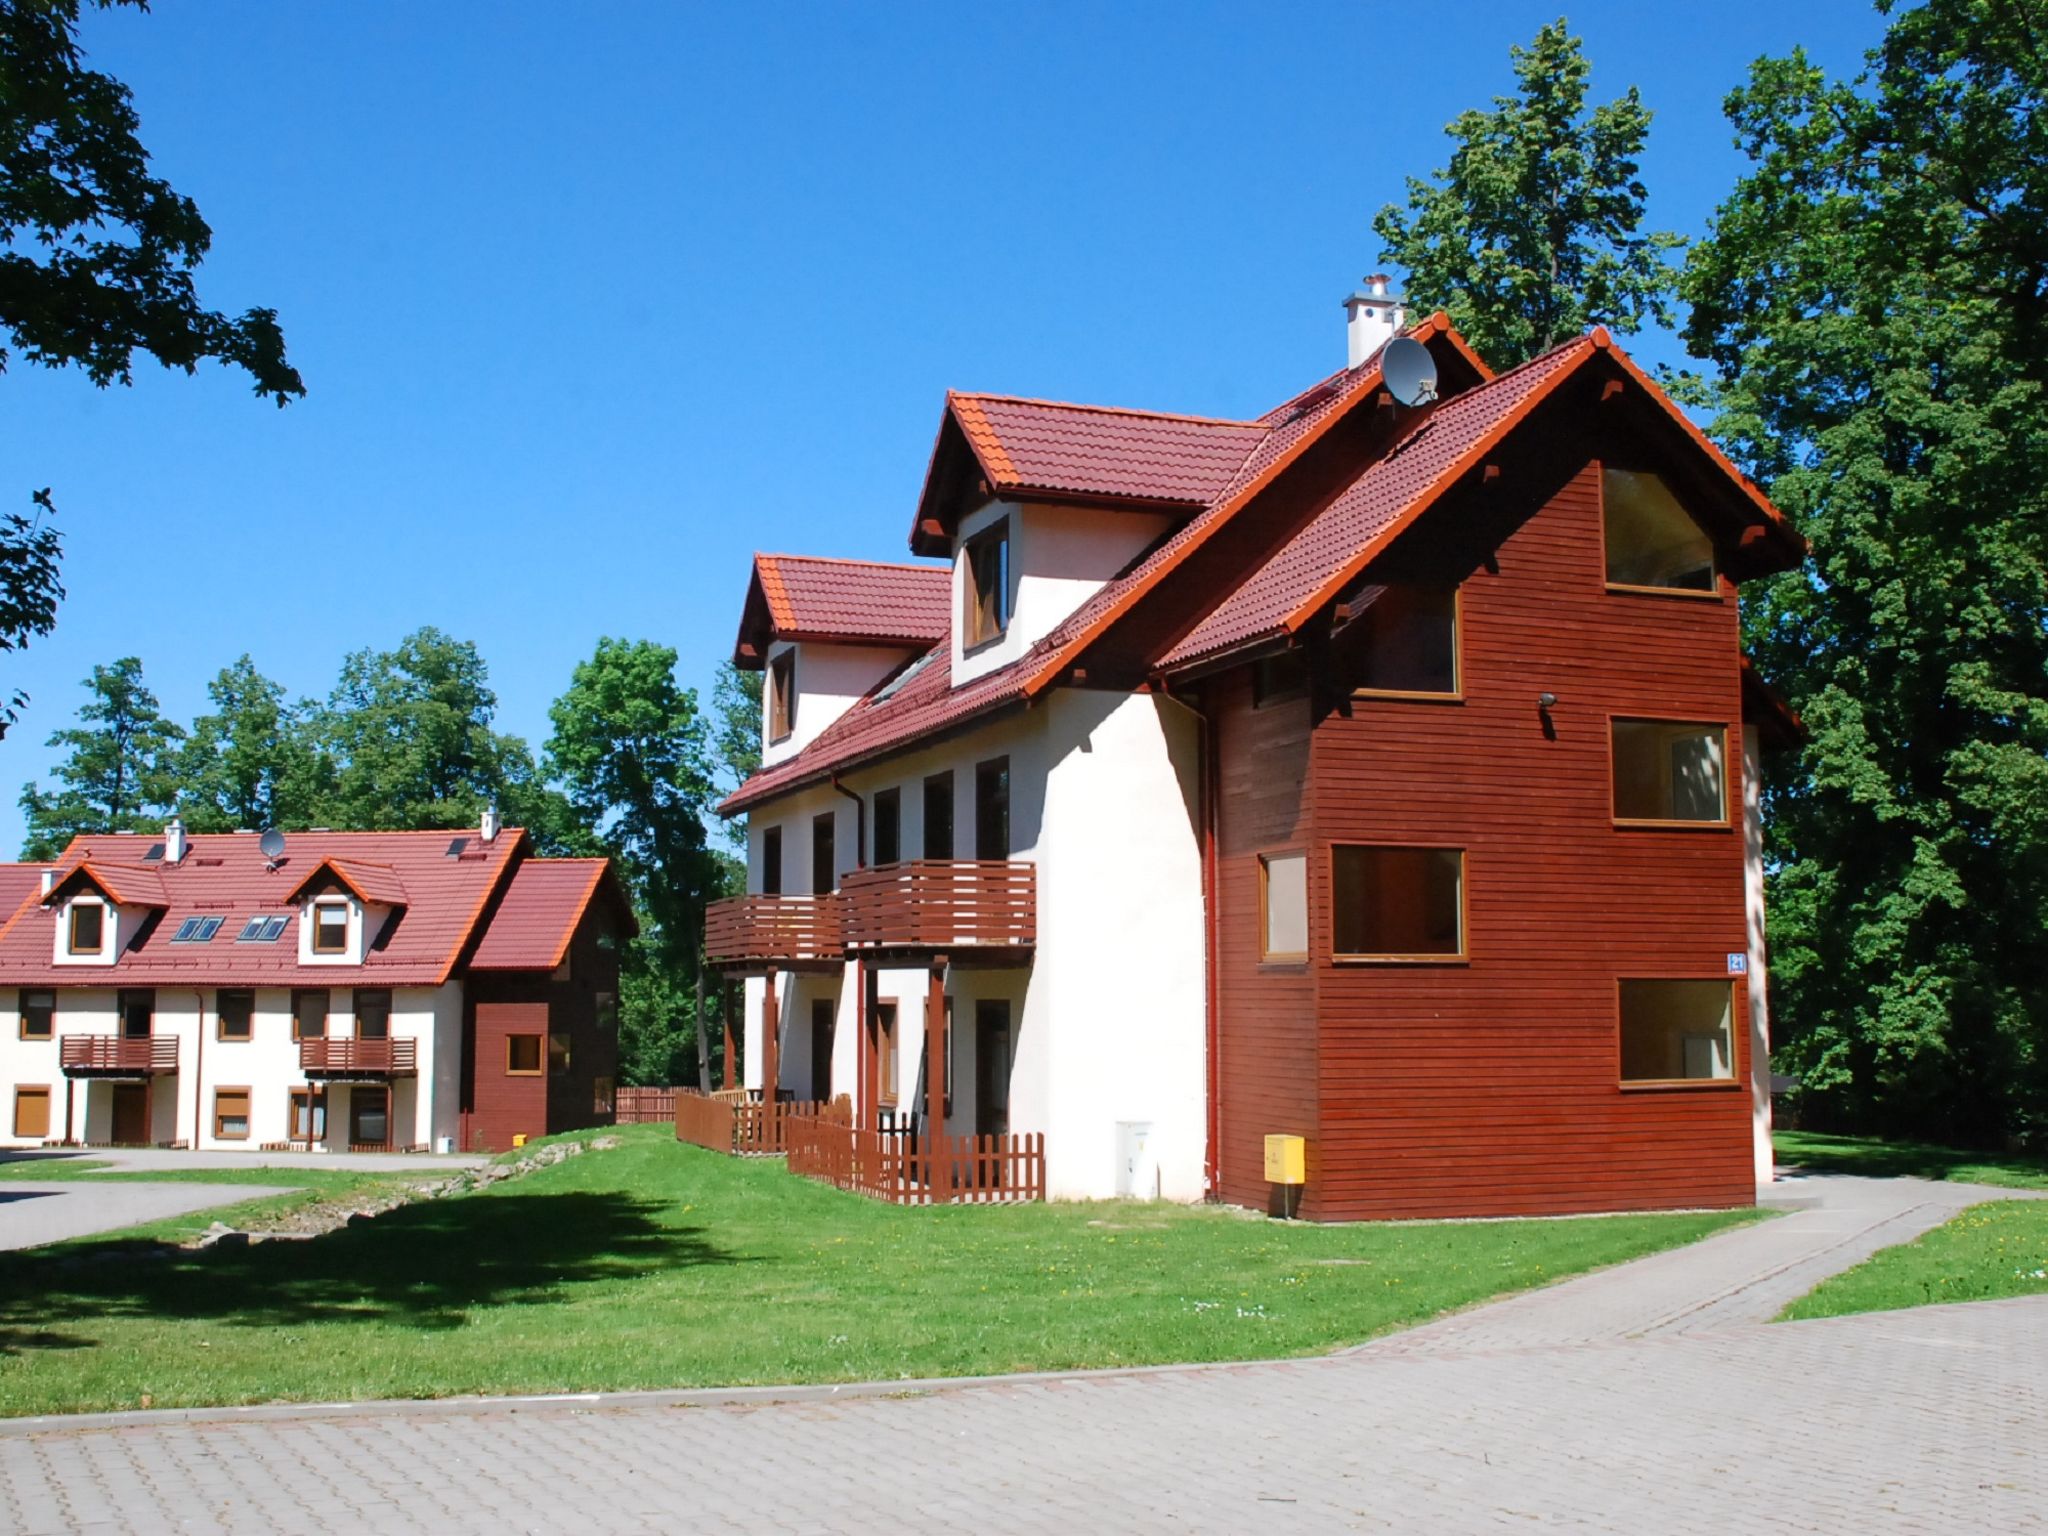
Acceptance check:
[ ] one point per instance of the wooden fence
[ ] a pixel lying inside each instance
(738, 1123)
(644, 1106)
(902, 1167)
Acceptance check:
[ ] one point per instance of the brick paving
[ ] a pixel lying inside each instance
(1598, 1405)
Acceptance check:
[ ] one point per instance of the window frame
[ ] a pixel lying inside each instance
(973, 637)
(316, 1113)
(1461, 956)
(892, 797)
(78, 907)
(326, 1013)
(248, 1116)
(825, 852)
(540, 1055)
(1287, 958)
(561, 1052)
(932, 781)
(781, 687)
(992, 790)
(1737, 1079)
(22, 1010)
(378, 997)
(771, 860)
(1711, 592)
(1669, 824)
(888, 1063)
(32, 1090)
(604, 1096)
(1456, 693)
(324, 905)
(220, 1020)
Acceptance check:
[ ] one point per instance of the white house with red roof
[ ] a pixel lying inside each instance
(323, 990)
(1379, 775)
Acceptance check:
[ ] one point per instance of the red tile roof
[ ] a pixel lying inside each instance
(225, 875)
(375, 883)
(126, 885)
(808, 597)
(542, 908)
(18, 882)
(1095, 451)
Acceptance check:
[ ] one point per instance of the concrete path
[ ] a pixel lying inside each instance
(34, 1214)
(1645, 1399)
(151, 1159)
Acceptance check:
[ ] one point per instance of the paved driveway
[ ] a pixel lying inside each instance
(1646, 1399)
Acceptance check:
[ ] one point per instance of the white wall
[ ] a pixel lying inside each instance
(830, 679)
(1759, 1001)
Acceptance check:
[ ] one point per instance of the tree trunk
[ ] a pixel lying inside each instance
(703, 1037)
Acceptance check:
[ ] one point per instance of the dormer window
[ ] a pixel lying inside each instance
(88, 927)
(781, 696)
(985, 586)
(330, 927)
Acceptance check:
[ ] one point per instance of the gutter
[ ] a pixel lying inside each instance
(860, 827)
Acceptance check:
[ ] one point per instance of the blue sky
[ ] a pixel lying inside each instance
(595, 300)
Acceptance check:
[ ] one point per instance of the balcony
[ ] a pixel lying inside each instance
(117, 1055)
(987, 907)
(358, 1060)
(777, 930)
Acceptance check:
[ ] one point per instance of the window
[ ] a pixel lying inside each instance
(1668, 771)
(373, 1013)
(602, 1098)
(885, 1035)
(196, 930)
(231, 1114)
(1409, 641)
(824, 854)
(137, 1008)
(824, 1026)
(235, 1014)
(1275, 679)
(938, 816)
(781, 696)
(558, 1053)
(888, 826)
(522, 1056)
(31, 1112)
(1397, 903)
(607, 1004)
(330, 927)
(261, 930)
(38, 1015)
(992, 809)
(985, 586)
(308, 1116)
(88, 927)
(1650, 540)
(1677, 1031)
(1283, 906)
(309, 1013)
(771, 862)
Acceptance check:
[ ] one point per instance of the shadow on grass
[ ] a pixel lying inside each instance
(422, 1266)
(1818, 1152)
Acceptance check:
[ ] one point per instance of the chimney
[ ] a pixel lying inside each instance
(174, 841)
(49, 879)
(1373, 318)
(489, 829)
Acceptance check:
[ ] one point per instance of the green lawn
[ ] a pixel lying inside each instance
(659, 1265)
(1988, 1251)
(1891, 1159)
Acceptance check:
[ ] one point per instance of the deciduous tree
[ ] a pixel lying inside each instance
(119, 773)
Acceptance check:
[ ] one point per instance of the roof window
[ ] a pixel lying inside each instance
(261, 930)
(896, 684)
(197, 930)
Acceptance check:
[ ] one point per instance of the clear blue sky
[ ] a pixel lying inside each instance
(594, 300)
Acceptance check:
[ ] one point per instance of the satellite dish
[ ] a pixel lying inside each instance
(1409, 371)
(272, 844)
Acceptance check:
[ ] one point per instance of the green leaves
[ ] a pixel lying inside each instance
(1534, 231)
(121, 774)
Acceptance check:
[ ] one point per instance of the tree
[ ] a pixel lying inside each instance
(1533, 232)
(96, 262)
(736, 736)
(251, 763)
(119, 775)
(1874, 298)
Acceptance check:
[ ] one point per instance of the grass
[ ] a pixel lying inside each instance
(1817, 1153)
(1988, 1251)
(659, 1265)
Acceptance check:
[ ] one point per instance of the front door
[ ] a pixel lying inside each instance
(131, 1114)
(824, 1020)
(992, 1067)
(369, 1116)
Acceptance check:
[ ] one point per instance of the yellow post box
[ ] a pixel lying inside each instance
(1286, 1160)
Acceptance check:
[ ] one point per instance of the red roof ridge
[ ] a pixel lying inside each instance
(1108, 410)
(882, 565)
(468, 929)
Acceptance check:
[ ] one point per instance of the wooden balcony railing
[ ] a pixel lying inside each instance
(118, 1055)
(359, 1058)
(791, 929)
(942, 904)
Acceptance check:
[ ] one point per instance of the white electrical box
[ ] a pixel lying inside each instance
(1137, 1169)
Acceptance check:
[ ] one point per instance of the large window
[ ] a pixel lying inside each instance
(1397, 903)
(938, 816)
(985, 586)
(309, 1013)
(771, 861)
(330, 927)
(231, 1114)
(992, 809)
(1677, 1031)
(88, 927)
(888, 826)
(308, 1120)
(1651, 542)
(31, 1112)
(373, 1013)
(38, 1015)
(138, 1011)
(781, 696)
(1670, 771)
(1408, 642)
(234, 1014)
(1283, 906)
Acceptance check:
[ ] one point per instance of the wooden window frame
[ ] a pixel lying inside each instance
(1287, 958)
(124, 998)
(77, 908)
(1463, 954)
(220, 1023)
(317, 1101)
(22, 1012)
(329, 904)
(355, 1008)
(1727, 822)
(1712, 594)
(540, 1055)
(326, 1014)
(1456, 693)
(248, 1112)
(781, 684)
(888, 1066)
(972, 636)
(1737, 1079)
(31, 1090)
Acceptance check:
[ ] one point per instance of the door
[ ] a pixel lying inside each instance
(369, 1116)
(824, 854)
(992, 1067)
(992, 809)
(824, 1020)
(938, 816)
(131, 1114)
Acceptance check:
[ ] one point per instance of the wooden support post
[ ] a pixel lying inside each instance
(725, 1012)
(938, 1165)
(771, 1047)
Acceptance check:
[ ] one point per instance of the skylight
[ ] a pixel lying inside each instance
(894, 686)
(261, 930)
(197, 930)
